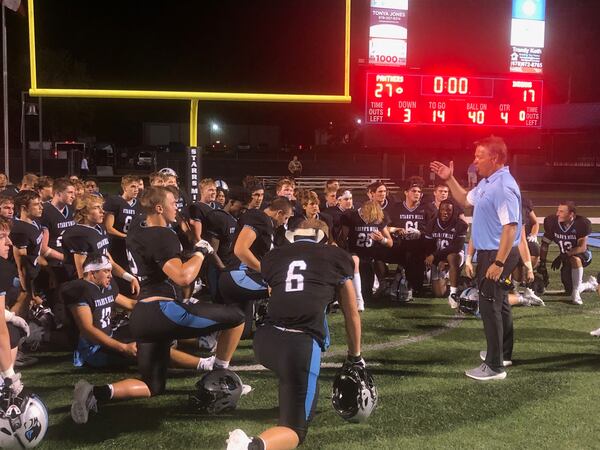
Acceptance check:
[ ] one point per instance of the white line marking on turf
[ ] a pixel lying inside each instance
(454, 323)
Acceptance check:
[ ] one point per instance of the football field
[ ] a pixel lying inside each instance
(417, 353)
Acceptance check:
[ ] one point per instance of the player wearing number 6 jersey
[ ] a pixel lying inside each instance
(304, 277)
(119, 213)
(366, 233)
(570, 232)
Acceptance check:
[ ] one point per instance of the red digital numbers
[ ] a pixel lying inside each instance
(453, 100)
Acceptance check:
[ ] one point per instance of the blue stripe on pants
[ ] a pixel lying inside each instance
(313, 376)
(241, 278)
(179, 315)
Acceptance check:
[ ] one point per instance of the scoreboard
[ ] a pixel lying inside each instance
(411, 99)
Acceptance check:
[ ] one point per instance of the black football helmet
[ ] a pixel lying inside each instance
(354, 395)
(217, 391)
(468, 301)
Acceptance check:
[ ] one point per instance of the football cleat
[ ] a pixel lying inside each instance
(83, 402)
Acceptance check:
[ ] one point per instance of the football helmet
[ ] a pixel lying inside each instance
(468, 302)
(222, 184)
(23, 420)
(217, 391)
(354, 395)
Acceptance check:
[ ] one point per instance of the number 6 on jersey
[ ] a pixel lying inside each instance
(294, 281)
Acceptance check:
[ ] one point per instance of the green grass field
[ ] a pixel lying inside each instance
(550, 398)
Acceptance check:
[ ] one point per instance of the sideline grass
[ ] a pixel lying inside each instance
(550, 398)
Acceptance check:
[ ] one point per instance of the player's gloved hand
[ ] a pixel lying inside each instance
(557, 263)
(17, 321)
(204, 247)
(532, 238)
(355, 361)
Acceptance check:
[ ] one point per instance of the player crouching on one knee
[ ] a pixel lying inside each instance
(304, 277)
(445, 240)
(159, 316)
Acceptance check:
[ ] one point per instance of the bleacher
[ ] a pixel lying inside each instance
(318, 183)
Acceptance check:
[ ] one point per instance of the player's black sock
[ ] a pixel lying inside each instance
(103, 392)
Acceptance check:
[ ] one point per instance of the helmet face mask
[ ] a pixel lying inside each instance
(217, 391)
(23, 421)
(354, 395)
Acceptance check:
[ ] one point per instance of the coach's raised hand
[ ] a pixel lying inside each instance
(443, 171)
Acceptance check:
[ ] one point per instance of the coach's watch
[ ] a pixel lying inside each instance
(499, 263)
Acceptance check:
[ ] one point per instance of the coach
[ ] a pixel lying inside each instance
(496, 229)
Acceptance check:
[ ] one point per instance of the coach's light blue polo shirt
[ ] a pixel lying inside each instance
(497, 202)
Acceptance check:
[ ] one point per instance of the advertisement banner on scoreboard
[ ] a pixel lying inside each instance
(527, 31)
(388, 32)
(526, 60)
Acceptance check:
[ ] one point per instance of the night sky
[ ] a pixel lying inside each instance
(274, 46)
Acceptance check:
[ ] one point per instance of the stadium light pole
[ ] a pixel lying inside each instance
(5, 93)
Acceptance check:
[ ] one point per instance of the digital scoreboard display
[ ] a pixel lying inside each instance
(453, 100)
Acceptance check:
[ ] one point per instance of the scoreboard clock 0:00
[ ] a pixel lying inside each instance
(453, 100)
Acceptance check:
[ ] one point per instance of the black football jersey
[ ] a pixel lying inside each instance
(446, 238)
(148, 249)
(25, 235)
(221, 225)
(84, 240)
(123, 211)
(100, 301)
(410, 218)
(262, 225)
(199, 211)
(303, 277)
(359, 232)
(564, 235)
(336, 222)
(56, 222)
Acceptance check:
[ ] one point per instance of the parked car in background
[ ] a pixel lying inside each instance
(144, 160)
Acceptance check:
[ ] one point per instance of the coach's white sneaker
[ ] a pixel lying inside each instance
(505, 363)
(534, 300)
(83, 402)
(595, 332)
(238, 440)
(576, 300)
